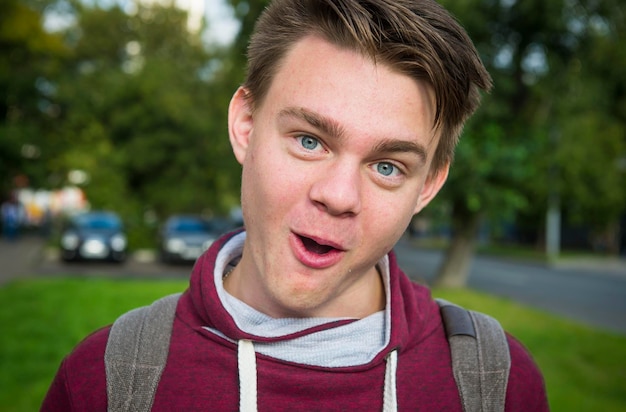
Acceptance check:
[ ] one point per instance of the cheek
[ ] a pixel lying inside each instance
(267, 184)
(389, 215)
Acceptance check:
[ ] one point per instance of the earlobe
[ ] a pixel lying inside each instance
(240, 122)
(431, 187)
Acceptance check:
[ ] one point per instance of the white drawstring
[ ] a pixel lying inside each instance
(390, 398)
(247, 379)
(247, 376)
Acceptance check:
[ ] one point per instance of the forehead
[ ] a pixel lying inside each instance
(364, 97)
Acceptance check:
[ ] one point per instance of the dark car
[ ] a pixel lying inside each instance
(94, 236)
(184, 238)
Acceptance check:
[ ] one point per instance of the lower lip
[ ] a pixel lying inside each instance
(311, 259)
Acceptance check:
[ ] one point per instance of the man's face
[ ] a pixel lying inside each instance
(335, 163)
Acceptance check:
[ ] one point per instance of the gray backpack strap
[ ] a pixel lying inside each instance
(136, 354)
(480, 357)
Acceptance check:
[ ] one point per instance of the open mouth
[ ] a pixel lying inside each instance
(314, 252)
(314, 247)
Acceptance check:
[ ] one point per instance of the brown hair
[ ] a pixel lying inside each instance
(418, 38)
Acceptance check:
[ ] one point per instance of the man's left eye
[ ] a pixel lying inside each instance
(386, 169)
(308, 142)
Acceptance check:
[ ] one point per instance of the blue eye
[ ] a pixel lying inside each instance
(308, 142)
(385, 169)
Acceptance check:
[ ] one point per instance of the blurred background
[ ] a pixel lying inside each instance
(120, 105)
(114, 146)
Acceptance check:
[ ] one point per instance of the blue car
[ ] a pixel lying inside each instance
(94, 236)
(183, 238)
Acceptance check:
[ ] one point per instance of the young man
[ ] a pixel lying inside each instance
(345, 128)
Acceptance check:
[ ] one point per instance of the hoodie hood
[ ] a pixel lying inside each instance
(405, 317)
(341, 344)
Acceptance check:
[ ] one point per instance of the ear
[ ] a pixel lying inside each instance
(240, 123)
(434, 183)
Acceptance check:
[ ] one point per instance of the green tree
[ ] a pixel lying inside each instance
(591, 151)
(29, 58)
(516, 151)
(140, 113)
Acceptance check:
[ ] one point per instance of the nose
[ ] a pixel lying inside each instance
(337, 189)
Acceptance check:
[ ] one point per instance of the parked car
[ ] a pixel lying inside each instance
(183, 238)
(94, 236)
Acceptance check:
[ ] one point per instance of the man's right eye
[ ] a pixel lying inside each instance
(308, 142)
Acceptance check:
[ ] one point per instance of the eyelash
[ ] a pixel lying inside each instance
(399, 171)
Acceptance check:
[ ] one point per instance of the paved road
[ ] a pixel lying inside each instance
(20, 257)
(29, 257)
(587, 293)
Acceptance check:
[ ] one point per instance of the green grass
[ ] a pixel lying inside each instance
(43, 319)
(584, 368)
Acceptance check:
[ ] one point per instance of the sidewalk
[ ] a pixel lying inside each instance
(20, 257)
(612, 265)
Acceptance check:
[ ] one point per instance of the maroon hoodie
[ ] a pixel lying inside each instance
(202, 370)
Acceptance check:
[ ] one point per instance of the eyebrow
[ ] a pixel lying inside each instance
(401, 146)
(324, 124)
(332, 128)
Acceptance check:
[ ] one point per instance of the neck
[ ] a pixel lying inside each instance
(363, 299)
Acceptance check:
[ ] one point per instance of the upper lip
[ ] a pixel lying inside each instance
(322, 241)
